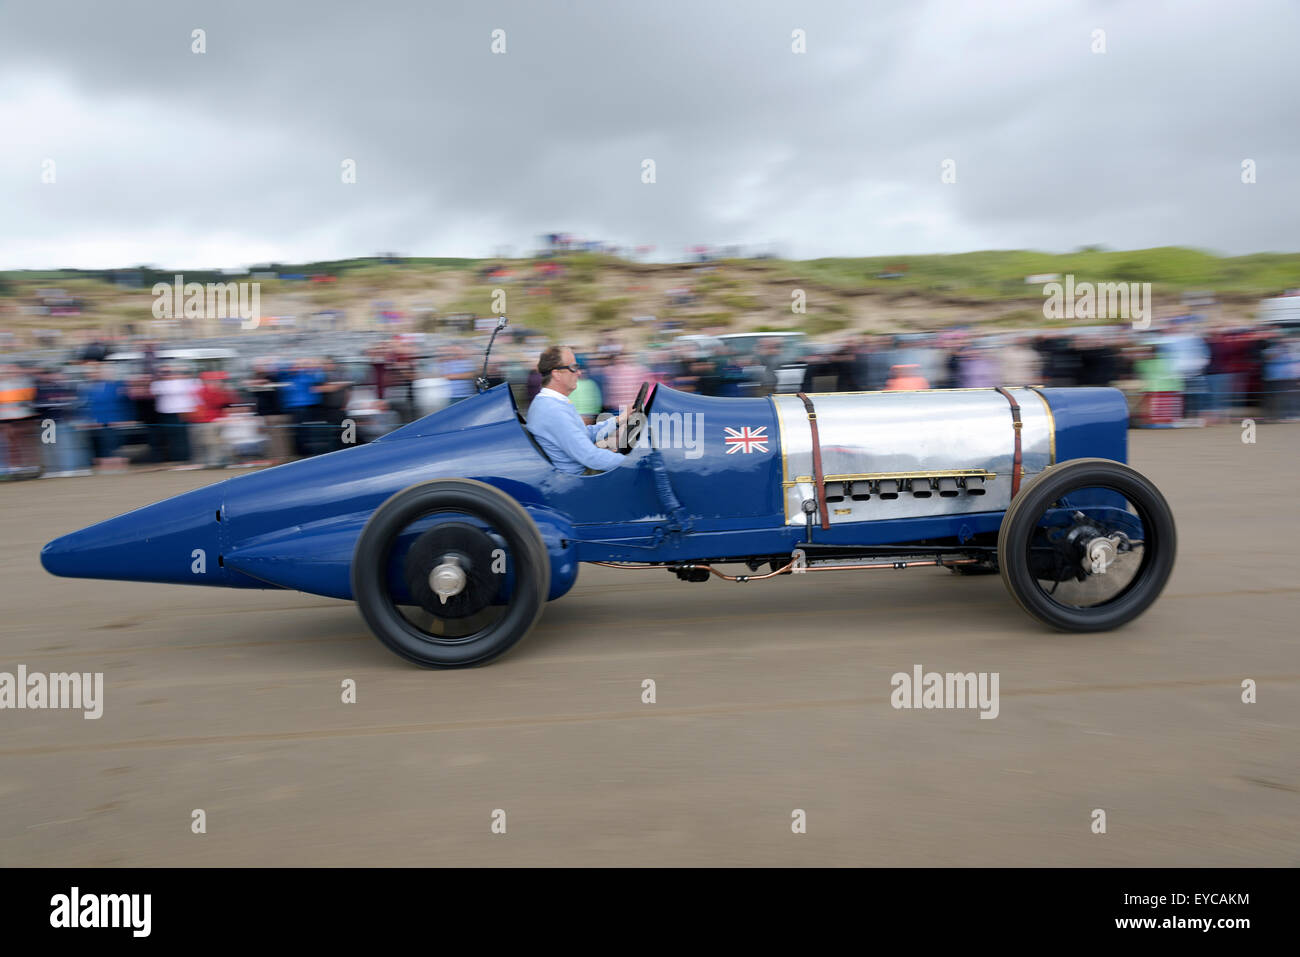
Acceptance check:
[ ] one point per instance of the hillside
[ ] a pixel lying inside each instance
(580, 296)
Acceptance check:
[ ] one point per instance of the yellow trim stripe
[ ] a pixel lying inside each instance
(813, 395)
(1051, 424)
(785, 471)
(878, 476)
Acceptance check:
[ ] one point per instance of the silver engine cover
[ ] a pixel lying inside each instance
(908, 454)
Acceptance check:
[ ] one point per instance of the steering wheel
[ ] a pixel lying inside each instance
(626, 438)
(638, 404)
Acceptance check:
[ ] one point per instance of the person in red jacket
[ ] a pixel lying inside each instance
(214, 398)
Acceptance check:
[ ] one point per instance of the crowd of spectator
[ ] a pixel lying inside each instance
(1182, 376)
(93, 413)
(89, 413)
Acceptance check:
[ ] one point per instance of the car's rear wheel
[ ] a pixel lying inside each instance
(450, 542)
(1087, 546)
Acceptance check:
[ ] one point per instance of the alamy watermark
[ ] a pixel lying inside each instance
(63, 690)
(215, 300)
(1103, 300)
(951, 690)
(664, 430)
(75, 909)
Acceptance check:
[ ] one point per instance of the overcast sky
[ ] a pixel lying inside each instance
(233, 156)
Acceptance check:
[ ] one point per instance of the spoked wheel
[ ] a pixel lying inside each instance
(453, 544)
(1087, 546)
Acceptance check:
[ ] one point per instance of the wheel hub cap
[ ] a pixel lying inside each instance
(447, 579)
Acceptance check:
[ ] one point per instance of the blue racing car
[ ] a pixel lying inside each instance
(452, 532)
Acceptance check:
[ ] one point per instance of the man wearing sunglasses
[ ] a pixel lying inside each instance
(558, 427)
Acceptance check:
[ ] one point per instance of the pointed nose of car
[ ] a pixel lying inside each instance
(175, 541)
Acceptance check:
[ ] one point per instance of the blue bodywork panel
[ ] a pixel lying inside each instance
(296, 526)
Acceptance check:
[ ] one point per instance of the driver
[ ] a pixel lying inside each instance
(559, 428)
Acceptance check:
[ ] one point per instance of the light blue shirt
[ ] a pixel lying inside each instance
(566, 439)
(462, 387)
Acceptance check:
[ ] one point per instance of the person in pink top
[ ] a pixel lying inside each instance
(623, 376)
(906, 378)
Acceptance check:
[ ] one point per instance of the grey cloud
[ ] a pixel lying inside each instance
(169, 155)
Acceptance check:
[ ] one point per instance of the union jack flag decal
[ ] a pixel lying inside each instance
(746, 440)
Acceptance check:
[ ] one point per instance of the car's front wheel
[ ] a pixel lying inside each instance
(1087, 546)
(454, 544)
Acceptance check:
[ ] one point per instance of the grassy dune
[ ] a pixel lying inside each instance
(600, 293)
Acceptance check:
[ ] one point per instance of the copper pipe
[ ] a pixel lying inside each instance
(807, 568)
(931, 562)
(694, 565)
(740, 578)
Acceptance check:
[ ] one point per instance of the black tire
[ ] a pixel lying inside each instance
(531, 566)
(1021, 523)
